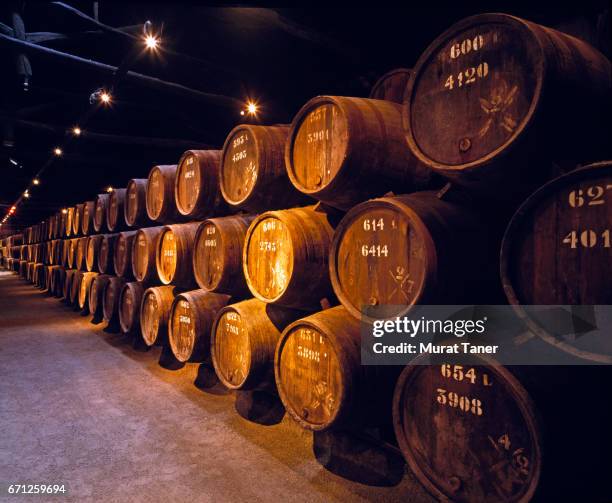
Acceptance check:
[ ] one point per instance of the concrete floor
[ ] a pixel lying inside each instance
(80, 406)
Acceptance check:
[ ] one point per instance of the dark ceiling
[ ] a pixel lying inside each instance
(281, 57)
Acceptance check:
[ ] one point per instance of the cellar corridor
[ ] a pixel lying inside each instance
(82, 407)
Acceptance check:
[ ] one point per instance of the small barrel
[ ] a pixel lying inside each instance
(144, 248)
(110, 299)
(285, 257)
(93, 252)
(320, 378)
(343, 151)
(89, 209)
(483, 432)
(161, 206)
(512, 96)
(217, 254)
(196, 189)
(115, 220)
(96, 294)
(107, 253)
(396, 252)
(81, 254)
(135, 205)
(391, 86)
(253, 174)
(190, 322)
(99, 216)
(84, 289)
(76, 219)
(129, 307)
(123, 254)
(155, 311)
(557, 251)
(68, 222)
(174, 255)
(243, 340)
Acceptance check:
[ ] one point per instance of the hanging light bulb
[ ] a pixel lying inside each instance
(36, 181)
(76, 131)
(58, 151)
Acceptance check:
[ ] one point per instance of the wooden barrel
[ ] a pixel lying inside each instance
(86, 281)
(173, 258)
(93, 251)
(391, 86)
(115, 219)
(243, 339)
(81, 254)
(190, 322)
(68, 222)
(557, 251)
(107, 253)
(253, 174)
(343, 151)
(75, 287)
(512, 96)
(89, 209)
(135, 205)
(320, 378)
(196, 188)
(123, 254)
(144, 248)
(38, 275)
(96, 294)
(155, 311)
(285, 257)
(391, 253)
(161, 206)
(72, 252)
(217, 254)
(68, 284)
(129, 307)
(484, 432)
(77, 218)
(99, 216)
(23, 269)
(110, 299)
(56, 285)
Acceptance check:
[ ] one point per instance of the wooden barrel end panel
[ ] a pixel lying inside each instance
(115, 210)
(160, 203)
(144, 248)
(129, 307)
(156, 306)
(174, 256)
(99, 216)
(391, 86)
(135, 204)
(110, 299)
(123, 254)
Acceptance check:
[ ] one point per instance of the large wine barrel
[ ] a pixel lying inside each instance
(174, 255)
(154, 314)
(320, 378)
(285, 257)
(123, 254)
(99, 216)
(135, 205)
(243, 340)
(144, 249)
(196, 188)
(89, 209)
(395, 252)
(93, 251)
(557, 251)
(77, 218)
(217, 254)
(110, 300)
(343, 151)
(161, 205)
(68, 222)
(68, 284)
(75, 287)
(81, 254)
(190, 322)
(253, 174)
(391, 86)
(115, 219)
(107, 253)
(510, 94)
(72, 252)
(56, 285)
(85, 287)
(484, 432)
(130, 299)
(96, 295)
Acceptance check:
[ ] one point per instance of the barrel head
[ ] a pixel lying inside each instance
(231, 348)
(182, 330)
(167, 256)
(209, 256)
(188, 180)
(239, 168)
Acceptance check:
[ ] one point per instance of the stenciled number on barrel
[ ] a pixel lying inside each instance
(375, 251)
(587, 239)
(511, 466)
(464, 403)
(466, 46)
(592, 196)
(459, 374)
(467, 76)
(373, 224)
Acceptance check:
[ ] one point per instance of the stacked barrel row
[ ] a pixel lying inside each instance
(239, 257)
